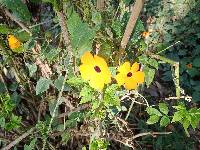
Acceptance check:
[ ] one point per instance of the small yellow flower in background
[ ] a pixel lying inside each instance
(13, 42)
(94, 69)
(129, 76)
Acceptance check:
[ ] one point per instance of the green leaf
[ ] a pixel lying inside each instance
(177, 116)
(96, 18)
(31, 146)
(149, 75)
(196, 62)
(194, 121)
(153, 111)
(42, 85)
(18, 8)
(110, 97)
(65, 137)
(75, 81)
(4, 29)
(32, 68)
(2, 122)
(153, 119)
(164, 121)
(81, 34)
(52, 105)
(163, 108)
(59, 82)
(186, 124)
(153, 63)
(86, 94)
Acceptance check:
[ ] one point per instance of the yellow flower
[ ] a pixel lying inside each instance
(13, 42)
(95, 71)
(129, 76)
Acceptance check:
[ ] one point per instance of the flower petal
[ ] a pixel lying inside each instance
(139, 76)
(87, 58)
(130, 83)
(125, 68)
(86, 71)
(120, 77)
(99, 61)
(135, 67)
(107, 76)
(96, 83)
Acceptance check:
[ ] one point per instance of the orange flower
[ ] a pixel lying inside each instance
(13, 42)
(145, 34)
(129, 76)
(189, 66)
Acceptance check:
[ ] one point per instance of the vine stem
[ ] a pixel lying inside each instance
(150, 133)
(130, 108)
(54, 111)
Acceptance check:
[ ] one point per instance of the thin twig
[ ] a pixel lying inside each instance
(82, 107)
(65, 34)
(150, 133)
(12, 144)
(168, 47)
(17, 21)
(135, 11)
(130, 108)
(56, 107)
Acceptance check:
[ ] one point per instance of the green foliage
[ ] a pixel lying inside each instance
(186, 117)
(97, 144)
(4, 29)
(18, 8)
(42, 127)
(31, 146)
(42, 85)
(156, 115)
(8, 120)
(86, 94)
(150, 67)
(81, 34)
(75, 82)
(166, 30)
(110, 97)
(32, 69)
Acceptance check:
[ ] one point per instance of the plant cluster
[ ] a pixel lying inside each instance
(67, 77)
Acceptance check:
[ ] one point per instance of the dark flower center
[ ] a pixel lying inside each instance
(97, 69)
(129, 74)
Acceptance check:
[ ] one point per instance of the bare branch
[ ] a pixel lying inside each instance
(12, 144)
(135, 11)
(149, 133)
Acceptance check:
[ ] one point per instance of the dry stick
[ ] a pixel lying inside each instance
(150, 133)
(9, 146)
(100, 4)
(81, 107)
(17, 21)
(135, 11)
(65, 34)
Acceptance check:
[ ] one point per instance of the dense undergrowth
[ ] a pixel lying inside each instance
(69, 80)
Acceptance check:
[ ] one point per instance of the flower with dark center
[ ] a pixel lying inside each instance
(94, 69)
(129, 76)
